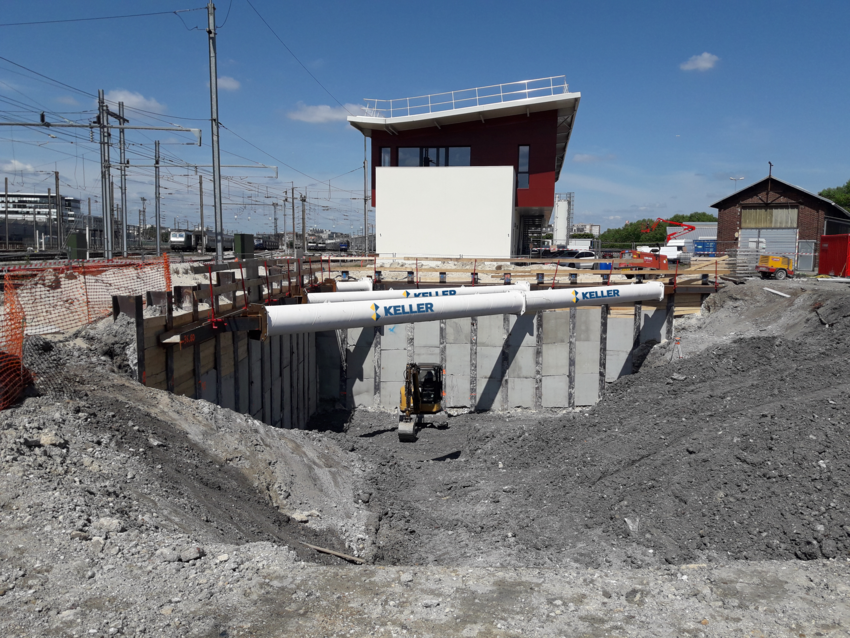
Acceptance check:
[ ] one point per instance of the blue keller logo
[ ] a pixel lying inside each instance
(400, 310)
(598, 294)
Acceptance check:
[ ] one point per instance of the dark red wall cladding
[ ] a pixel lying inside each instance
(493, 143)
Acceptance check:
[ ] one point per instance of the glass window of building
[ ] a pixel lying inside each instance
(522, 168)
(386, 156)
(408, 156)
(459, 155)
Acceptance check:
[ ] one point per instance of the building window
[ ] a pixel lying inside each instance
(435, 156)
(408, 157)
(522, 168)
(386, 156)
(779, 217)
(459, 156)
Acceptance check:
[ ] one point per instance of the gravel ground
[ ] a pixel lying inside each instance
(706, 496)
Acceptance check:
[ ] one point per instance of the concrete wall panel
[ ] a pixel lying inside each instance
(555, 391)
(653, 325)
(521, 393)
(394, 338)
(556, 360)
(489, 362)
(587, 388)
(619, 364)
(390, 394)
(491, 331)
(587, 357)
(426, 335)
(588, 324)
(457, 360)
(393, 363)
(457, 331)
(426, 355)
(523, 363)
(522, 330)
(556, 327)
(457, 391)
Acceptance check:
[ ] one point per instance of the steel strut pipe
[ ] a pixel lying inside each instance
(381, 295)
(295, 319)
(593, 296)
(352, 286)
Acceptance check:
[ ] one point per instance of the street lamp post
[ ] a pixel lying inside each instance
(736, 180)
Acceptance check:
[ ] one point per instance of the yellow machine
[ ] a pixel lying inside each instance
(421, 394)
(776, 267)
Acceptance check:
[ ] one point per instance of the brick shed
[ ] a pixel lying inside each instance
(779, 218)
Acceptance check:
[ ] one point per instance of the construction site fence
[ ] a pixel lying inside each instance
(59, 299)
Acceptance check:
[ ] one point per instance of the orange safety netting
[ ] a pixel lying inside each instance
(61, 299)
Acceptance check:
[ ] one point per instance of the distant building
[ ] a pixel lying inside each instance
(593, 229)
(468, 172)
(778, 218)
(33, 211)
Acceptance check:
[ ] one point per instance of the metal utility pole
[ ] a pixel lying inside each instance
(365, 200)
(293, 222)
(49, 220)
(113, 213)
(124, 215)
(144, 221)
(203, 231)
(6, 210)
(304, 223)
(216, 158)
(106, 204)
(60, 223)
(276, 236)
(156, 196)
(88, 231)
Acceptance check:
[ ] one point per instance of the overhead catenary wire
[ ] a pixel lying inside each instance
(115, 17)
(296, 57)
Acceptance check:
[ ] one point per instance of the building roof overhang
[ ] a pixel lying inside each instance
(566, 105)
(731, 199)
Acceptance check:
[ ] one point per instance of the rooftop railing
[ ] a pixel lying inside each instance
(466, 98)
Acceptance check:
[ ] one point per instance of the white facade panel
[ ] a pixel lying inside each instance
(444, 211)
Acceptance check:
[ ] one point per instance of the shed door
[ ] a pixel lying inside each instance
(772, 241)
(806, 257)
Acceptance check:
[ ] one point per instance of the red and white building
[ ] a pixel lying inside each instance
(468, 172)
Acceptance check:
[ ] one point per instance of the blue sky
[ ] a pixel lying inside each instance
(677, 97)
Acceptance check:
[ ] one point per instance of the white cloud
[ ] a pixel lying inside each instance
(227, 83)
(17, 167)
(135, 100)
(67, 100)
(701, 62)
(588, 158)
(323, 113)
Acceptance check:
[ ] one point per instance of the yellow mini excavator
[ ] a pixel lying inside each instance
(421, 394)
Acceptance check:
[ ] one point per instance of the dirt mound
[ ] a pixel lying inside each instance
(739, 451)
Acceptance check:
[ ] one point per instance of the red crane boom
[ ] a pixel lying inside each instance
(686, 228)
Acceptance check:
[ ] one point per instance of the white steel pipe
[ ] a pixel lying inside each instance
(595, 296)
(355, 284)
(358, 314)
(380, 295)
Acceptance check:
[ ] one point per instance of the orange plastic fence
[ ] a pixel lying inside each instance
(61, 299)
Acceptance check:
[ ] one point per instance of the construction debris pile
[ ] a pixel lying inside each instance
(694, 498)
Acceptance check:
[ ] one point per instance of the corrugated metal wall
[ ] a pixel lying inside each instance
(774, 241)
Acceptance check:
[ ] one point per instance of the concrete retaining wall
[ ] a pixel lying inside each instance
(552, 359)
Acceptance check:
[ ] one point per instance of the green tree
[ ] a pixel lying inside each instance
(840, 195)
(633, 232)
